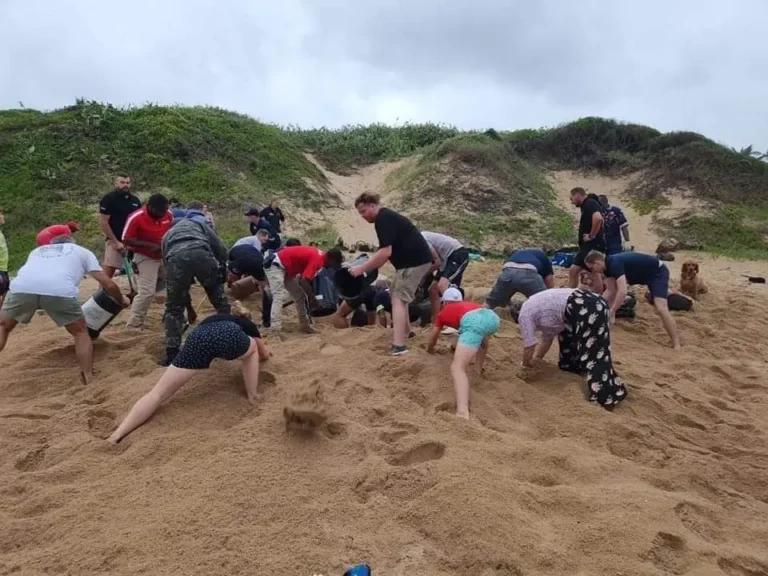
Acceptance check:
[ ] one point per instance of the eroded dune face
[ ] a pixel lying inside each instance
(539, 482)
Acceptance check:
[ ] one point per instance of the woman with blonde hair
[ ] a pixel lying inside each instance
(224, 336)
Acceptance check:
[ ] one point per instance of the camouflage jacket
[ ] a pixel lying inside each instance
(188, 235)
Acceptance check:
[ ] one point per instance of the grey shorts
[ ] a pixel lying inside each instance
(510, 282)
(407, 282)
(22, 307)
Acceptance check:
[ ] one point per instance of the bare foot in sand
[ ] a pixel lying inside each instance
(464, 415)
(86, 378)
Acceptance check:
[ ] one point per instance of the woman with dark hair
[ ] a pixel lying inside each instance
(579, 320)
(224, 336)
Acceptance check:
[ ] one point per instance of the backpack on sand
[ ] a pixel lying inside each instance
(325, 293)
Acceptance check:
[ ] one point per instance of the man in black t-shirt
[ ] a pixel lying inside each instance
(114, 209)
(402, 244)
(591, 236)
(273, 215)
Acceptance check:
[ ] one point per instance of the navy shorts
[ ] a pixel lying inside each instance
(225, 340)
(659, 286)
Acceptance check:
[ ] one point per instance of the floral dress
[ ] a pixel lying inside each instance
(585, 347)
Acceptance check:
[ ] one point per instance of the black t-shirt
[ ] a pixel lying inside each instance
(588, 209)
(118, 206)
(409, 248)
(248, 327)
(274, 216)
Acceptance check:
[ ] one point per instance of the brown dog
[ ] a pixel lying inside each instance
(691, 283)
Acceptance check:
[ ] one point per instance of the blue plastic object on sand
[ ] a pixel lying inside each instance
(359, 570)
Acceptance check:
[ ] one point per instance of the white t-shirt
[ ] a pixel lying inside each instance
(55, 270)
(249, 240)
(443, 245)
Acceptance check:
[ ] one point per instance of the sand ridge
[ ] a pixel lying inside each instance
(540, 482)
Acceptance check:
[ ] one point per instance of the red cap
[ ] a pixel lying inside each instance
(74, 226)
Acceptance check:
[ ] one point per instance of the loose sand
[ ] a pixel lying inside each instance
(540, 482)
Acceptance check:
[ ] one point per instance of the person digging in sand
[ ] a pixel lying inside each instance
(402, 244)
(476, 325)
(50, 281)
(290, 272)
(579, 320)
(225, 336)
(631, 269)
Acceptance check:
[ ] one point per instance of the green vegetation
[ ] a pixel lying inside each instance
(488, 188)
(355, 146)
(204, 154)
(474, 187)
(324, 235)
(727, 179)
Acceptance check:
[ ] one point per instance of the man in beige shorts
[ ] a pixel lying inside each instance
(114, 209)
(50, 281)
(402, 244)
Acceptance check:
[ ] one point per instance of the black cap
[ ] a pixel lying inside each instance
(253, 212)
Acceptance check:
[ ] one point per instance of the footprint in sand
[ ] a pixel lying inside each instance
(742, 566)
(698, 520)
(26, 416)
(32, 460)
(418, 454)
(669, 552)
(101, 422)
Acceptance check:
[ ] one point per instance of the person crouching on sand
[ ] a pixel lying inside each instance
(579, 320)
(224, 336)
(476, 325)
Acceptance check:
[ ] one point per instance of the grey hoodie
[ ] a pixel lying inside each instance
(190, 234)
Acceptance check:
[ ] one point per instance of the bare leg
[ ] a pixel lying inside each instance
(170, 382)
(251, 371)
(461, 358)
(83, 348)
(264, 353)
(400, 322)
(481, 355)
(573, 276)
(339, 318)
(669, 322)
(597, 283)
(6, 327)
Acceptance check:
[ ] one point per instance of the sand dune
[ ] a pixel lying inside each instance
(540, 482)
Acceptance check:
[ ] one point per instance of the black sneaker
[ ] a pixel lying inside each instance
(398, 350)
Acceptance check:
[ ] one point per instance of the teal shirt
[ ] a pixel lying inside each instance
(3, 254)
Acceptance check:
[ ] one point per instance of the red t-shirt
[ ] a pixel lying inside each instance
(141, 226)
(47, 234)
(453, 312)
(301, 260)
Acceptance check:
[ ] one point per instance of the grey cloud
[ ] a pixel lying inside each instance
(674, 64)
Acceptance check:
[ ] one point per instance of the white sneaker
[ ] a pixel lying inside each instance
(448, 330)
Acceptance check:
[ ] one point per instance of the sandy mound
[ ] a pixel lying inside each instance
(345, 219)
(539, 483)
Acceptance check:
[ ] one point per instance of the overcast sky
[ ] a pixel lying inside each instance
(697, 65)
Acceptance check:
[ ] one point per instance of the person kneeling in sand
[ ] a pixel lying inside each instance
(579, 320)
(476, 325)
(224, 336)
